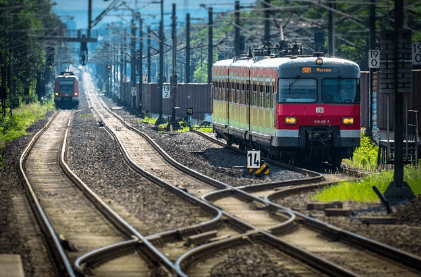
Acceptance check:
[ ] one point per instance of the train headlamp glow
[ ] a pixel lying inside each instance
(76, 94)
(319, 61)
(290, 120)
(347, 120)
(56, 94)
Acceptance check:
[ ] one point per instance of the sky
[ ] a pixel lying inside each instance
(78, 9)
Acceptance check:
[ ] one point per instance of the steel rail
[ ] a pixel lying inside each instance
(183, 232)
(263, 236)
(56, 251)
(392, 253)
(128, 230)
(318, 263)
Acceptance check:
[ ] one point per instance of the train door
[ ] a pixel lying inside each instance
(248, 100)
(228, 96)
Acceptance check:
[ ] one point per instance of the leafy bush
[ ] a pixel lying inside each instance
(365, 156)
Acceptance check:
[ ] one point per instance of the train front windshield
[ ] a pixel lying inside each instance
(340, 91)
(297, 90)
(67, 86)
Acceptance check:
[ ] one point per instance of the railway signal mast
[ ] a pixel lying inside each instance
(397, 53)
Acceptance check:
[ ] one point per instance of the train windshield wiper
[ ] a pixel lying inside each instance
(290, 84)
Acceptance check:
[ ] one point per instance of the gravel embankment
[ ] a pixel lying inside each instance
(12, 241)
(95, 157)
(403, 235)
(207, 158)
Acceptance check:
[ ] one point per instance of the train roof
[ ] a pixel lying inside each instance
(279, 62)
(67, 76)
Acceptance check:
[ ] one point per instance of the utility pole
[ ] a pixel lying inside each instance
(125, 54)
(89, 18)
(140, 62)
(187, 48)
(121, 68)
(266, 39)
(372, 46)
(115, 69)
(237, 29)
(398, 175)
(3, 91)
(210, 48)
(149, 55)
(133, 63)
(160, 120)
(173, 80)
(331, 31)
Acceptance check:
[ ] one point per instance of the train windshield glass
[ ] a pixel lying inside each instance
(340, 91)
(297, 90)
(67, 86)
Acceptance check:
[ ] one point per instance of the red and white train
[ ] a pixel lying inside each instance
(292, 107)
(66, 89)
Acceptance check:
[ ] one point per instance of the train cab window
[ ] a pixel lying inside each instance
(66, 85)
(297, 90)
(340, 91)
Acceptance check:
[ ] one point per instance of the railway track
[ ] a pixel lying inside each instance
(78, 227)
(259, 220)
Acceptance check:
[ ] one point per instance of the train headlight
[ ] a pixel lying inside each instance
(319, 61)
(76, 94)
(290, 120)
(56, 94)
(347, 120)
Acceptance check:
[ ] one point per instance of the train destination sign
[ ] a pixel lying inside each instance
(313, 69)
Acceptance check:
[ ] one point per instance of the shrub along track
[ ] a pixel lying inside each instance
(258, 220)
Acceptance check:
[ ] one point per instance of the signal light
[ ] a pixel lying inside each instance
(290, 120)
(347, 120)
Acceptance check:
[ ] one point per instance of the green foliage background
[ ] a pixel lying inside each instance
(24, 26)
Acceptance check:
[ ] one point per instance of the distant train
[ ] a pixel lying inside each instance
(66, 89)
(292, 107)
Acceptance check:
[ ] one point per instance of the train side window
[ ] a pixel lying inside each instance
(268, 97)
(262, 96)
(254, 100)
(237, 94)
(226, 92)
(274, 96)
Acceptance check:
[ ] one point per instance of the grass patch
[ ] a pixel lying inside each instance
(362, 190)
(12, 127)
(149, 120)
(203, 129)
